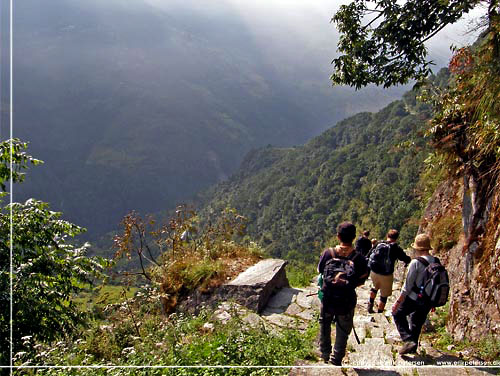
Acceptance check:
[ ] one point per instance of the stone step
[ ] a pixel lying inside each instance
(296, 308)
(375, 331)
(317, 370)
(373, 352)
(306, 300)
(392, 336)
(285, 321)
(281, 300)
(351, 341)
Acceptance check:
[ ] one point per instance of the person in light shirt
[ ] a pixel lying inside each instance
(408, 303)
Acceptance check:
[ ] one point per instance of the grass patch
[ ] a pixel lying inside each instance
(446, 231)
(487, 348)
(300, 274)
(180, 340)
(103, 295)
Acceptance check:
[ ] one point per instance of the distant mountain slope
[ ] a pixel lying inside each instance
(362, 170)
(134, 106)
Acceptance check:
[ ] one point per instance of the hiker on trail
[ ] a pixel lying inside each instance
(413, 301)
(342, 269)
(381, 261)
(364, 244)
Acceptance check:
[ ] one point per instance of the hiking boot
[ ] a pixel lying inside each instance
(326, 358)
(408, 347)
(336, 362)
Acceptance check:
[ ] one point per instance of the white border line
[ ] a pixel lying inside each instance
(12, 367)
(11, 235)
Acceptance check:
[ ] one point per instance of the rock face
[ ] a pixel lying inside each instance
(251, 289)
(473, 262)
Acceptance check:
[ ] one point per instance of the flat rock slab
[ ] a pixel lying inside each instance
(254, 287)
(362, 320)
(308, 299)
(282, 299)
(392, 337)
(262, 272)
(316, 370)
(253, 320)
(294, 309)
(377, 331)
(306, 315)
(285, 321)
(373, 353)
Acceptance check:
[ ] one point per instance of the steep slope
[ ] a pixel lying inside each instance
(133, 106)
(364, 169)
(473, 263)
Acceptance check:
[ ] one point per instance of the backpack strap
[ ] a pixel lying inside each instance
(353, 255)
(423, 261)
(426, 264)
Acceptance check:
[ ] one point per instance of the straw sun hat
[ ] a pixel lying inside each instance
(422, 243)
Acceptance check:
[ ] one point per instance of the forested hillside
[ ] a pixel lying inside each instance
(137, 106)
(364, 169)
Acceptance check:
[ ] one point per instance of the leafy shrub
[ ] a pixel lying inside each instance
(177, 257)
(48, 269)
(300, 274)
(180, 340)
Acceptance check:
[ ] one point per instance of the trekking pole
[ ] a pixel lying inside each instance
(355, 335)
(353, 330)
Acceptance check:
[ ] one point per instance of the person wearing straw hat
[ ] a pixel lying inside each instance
(407, 303)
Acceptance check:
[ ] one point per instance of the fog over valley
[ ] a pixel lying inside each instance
(140, 104)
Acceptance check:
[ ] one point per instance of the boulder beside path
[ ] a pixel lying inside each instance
(251, 289)
(254, 286)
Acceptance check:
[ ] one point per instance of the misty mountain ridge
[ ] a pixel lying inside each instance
(135, 106)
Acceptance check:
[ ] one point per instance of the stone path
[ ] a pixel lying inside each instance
(378, 352)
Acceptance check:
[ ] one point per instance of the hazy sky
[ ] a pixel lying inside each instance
(301, 29)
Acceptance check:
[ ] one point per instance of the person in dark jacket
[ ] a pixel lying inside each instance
(383, 280)
(407, 306)
(340, 310)
(364, 244)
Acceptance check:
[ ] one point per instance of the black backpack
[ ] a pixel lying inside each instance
(435, 286)
(338, 285)
(379, 260)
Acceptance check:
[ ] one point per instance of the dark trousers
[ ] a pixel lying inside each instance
(343, 327)
(417, 314)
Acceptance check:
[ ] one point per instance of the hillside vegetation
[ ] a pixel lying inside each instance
(365, 169)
